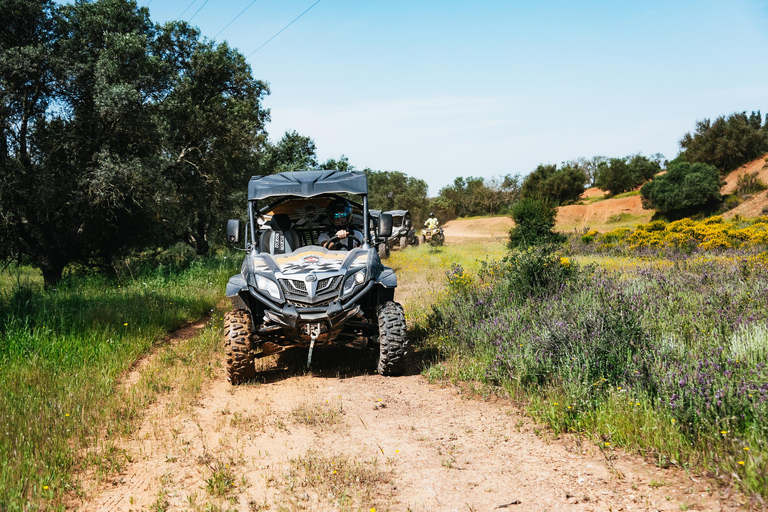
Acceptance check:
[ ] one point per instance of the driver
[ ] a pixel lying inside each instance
(432, 221)
(340, 234)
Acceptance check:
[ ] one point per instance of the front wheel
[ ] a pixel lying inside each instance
(422, 239)
(383, 250)
(393, 343)
(238, 346)
(403, 242)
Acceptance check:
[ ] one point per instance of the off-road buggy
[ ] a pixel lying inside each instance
(403, 233)
(292, 292)
(380, 242)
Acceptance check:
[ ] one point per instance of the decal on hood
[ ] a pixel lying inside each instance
(312, 262)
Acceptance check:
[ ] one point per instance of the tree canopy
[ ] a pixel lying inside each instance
(111, 123)
(559, 185)
(728, 142)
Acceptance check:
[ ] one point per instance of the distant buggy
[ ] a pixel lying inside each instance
(292, 292)
(403, 233)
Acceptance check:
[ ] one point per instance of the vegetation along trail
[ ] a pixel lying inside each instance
(339, 437)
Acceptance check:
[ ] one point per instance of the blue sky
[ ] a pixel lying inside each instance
(440, 89)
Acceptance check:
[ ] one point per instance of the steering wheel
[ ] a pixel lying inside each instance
(335, 240)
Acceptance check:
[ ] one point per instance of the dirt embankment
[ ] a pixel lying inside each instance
(601, 212)
(487, 227)
(753, 206)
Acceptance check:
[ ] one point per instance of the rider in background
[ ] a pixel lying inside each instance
(340, 216)
(432, 221)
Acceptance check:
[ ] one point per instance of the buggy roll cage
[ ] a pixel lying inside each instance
(303, 185)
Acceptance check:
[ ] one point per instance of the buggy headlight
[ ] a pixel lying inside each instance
(268, 286)
(353, 282)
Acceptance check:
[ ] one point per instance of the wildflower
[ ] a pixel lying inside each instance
(397, 451)
(45, 487)
(126, 324)
(569, 406)
(673, 420)
(555, 403)
(67, 415)
(334, 472)
(723, 432)
(746, 448)
(607, 444)
(741, 463)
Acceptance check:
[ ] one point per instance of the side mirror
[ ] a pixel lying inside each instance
(233, 231)
(385, 225)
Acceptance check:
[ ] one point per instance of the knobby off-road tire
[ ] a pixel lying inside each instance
(422, 239)
(238, 346)
(415, 241)
(393, 344)
(383, 251)
(403, 242)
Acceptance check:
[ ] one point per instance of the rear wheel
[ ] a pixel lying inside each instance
(415, 241)
(422, 239)
(393, 343)
(238, 346)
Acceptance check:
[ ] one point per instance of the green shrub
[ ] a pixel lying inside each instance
(534, 220)
(685, 189)
(748, 184)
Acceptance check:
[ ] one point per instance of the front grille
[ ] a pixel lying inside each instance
(320, 304)
(294, 287)
(328, 284)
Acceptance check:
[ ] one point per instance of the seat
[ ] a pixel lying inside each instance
(280, 238)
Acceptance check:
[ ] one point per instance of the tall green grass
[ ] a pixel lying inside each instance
(62, 354)
(664, 357)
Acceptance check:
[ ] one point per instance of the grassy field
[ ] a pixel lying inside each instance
(61, 356)
(666, 357)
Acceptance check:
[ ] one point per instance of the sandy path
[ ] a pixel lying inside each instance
(433, 448)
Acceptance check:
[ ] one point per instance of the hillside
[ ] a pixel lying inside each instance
(753, 206)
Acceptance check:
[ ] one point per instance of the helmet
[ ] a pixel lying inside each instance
(340, 212)
(431, 214)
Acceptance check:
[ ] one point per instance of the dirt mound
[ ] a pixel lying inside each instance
(758, 166)
(752, 207)
(488, 227)
(590, 215)
(592, 192)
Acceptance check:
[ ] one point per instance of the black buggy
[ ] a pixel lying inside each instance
(403, 233)
(292, 292)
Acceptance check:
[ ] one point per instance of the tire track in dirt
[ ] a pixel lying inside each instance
(436, 448)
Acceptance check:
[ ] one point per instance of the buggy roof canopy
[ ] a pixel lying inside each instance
(397, 213)
(307, 184)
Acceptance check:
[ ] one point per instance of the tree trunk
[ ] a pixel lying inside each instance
(201, 238)
(52, 272)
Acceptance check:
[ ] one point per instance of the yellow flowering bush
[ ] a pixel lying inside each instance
(688, 234)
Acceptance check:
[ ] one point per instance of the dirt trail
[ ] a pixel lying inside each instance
(339, 437)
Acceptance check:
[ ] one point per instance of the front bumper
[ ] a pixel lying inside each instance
(334, 315)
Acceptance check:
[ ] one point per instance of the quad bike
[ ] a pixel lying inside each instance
(434, 236)
(292, 292)
(403, 233)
